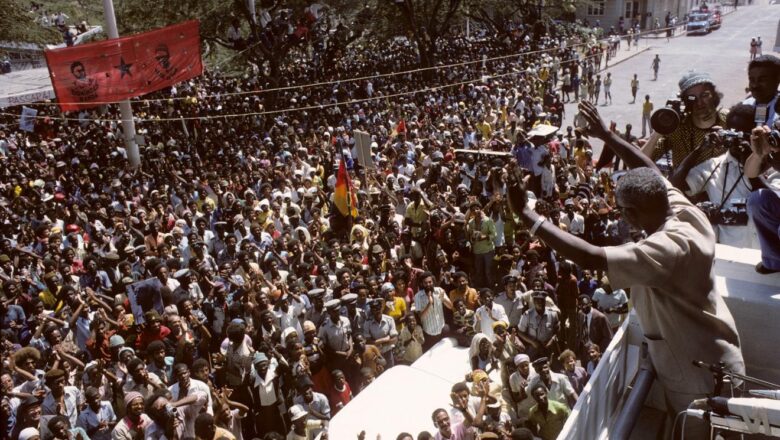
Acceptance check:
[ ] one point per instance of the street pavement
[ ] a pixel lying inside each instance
(724, 54)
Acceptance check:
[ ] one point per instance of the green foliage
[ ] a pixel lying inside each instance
(17, 24)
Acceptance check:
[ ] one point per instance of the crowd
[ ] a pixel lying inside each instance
(216, 292)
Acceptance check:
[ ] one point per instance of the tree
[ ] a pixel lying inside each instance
(268, 44)
(17, 24)
(499, 15)
(425, 22)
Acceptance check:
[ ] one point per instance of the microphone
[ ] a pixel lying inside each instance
(715, 368)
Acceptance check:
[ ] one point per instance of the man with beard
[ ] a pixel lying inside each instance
(428, 304)
(84, 88)
(132, 426)
(701, 99)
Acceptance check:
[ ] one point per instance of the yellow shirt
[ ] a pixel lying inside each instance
(485, 129)
(647, 108)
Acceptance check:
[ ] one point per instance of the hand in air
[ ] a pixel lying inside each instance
(594, 125)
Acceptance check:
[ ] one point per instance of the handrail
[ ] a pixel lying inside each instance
(628, 416)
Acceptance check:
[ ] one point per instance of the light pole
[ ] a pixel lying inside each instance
(128, 125)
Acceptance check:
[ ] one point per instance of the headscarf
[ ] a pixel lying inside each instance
(28, 433)
(286, 332)
(474, 348)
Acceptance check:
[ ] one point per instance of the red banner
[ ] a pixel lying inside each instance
(112, 70)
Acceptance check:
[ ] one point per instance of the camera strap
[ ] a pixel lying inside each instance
(733, 187)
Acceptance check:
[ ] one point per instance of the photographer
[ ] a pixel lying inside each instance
(763, 79)
(764, 204)
(722, 179)
(700, 99)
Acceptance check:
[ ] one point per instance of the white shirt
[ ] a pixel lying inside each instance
(202, 391)
(726, 173)
(485, 322)
(576, 224)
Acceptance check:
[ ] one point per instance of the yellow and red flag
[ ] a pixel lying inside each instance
(400, 128)
(344, 196)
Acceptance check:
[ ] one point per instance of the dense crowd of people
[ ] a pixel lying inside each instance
(217, 292)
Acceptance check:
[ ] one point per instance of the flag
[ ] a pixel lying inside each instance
(400, 128)
(344, 196)
(112, 70)
(27, 119)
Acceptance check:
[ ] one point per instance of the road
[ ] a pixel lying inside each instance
(724, 54)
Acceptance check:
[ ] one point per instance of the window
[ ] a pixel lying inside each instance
(632, 8)
(596, 8)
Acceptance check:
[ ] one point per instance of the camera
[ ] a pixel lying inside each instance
(731, 138)
(665, 120)
(736, 215)
(773, 138)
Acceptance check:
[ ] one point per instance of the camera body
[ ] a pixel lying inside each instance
(773, 138)
(735, 215)
(736, 142)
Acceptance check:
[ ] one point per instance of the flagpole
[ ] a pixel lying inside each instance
(128, 124)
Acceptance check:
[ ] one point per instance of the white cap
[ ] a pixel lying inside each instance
(297, 412)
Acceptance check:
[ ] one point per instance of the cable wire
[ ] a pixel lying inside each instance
(310, 107)
(353, 79)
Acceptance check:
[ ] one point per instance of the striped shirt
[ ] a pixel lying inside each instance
(433, 320)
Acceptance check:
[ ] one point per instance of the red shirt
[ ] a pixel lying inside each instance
(100, 350)
(339, 399)
(146, 337)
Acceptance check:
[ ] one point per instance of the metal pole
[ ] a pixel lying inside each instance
(128, 125)
(635, 400)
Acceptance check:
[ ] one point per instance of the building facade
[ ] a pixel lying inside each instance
(608, 13)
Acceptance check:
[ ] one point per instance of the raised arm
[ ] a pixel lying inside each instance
(631, 155)
(574, 248)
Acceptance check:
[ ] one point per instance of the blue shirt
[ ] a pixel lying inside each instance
(15, 314)
(89, 420)
(588, 287)
(524, 155)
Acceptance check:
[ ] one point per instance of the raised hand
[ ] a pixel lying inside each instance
(594, 126)
(517, 197)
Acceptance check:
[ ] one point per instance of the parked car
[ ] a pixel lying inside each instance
(699, 23)
(717, 19)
